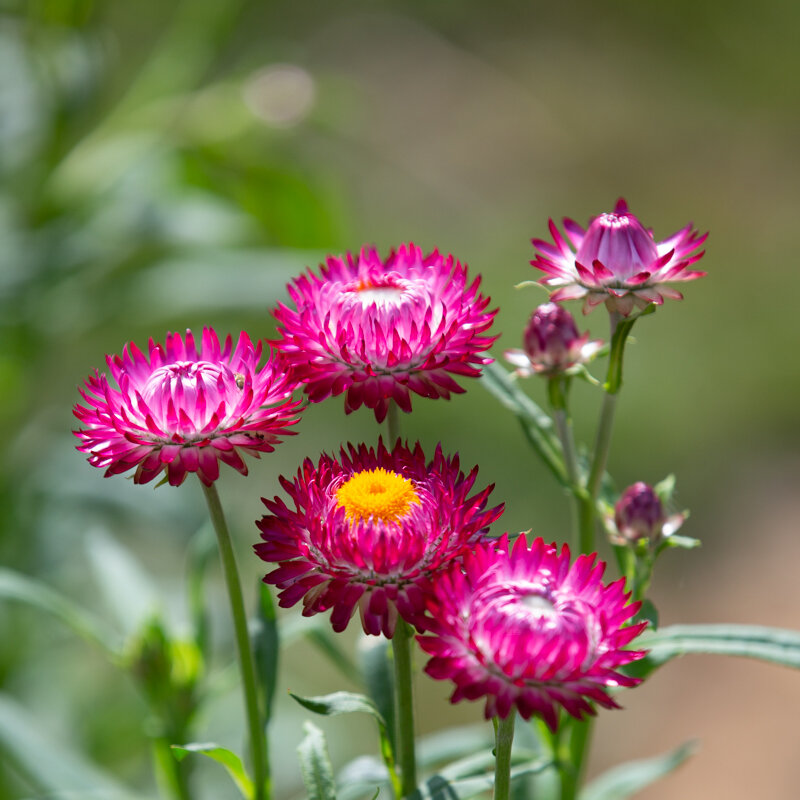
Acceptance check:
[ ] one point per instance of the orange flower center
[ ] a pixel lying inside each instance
(376, 494)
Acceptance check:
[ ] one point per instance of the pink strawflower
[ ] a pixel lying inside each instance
(524, 629)
(617, 260)
(379, 330)
(181, 410)
(368, 530)
(639, 514)
(552, 344)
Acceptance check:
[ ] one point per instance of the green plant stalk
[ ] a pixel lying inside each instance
(171, 775)
(392, 424)
(504, 738)
(404, 704)
(572, 755)
(258, 743)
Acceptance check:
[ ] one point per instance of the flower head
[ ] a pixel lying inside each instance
(379, 330)
(639, 515)
(617, 260)
(368, 530)
(524, 629)
(552, 343)
(181, 409)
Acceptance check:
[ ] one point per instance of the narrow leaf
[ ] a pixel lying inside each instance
(232, 763)
(347, 703)
(627, 779)
(536, 425)
(49, 765)
(265, 647)
(378, 675)
(18, 587)
(317, 631)
(315, 764)
(776, 645)
(202, 549)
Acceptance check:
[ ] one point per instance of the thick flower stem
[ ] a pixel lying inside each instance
(504, 737)
(172, 774)
(404, 704)
(392, 423)
(258, 743)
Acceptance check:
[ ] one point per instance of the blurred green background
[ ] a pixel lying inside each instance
(165, 166)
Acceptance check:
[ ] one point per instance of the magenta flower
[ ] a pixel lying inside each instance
(525, 629)
(552, 344)
(181, 410)
(617, 260)
(639, 515)
(368, 530)
(379, 330)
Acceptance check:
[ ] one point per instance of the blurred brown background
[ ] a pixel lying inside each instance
(169, 167)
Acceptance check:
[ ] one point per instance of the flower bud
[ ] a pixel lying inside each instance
(552, 343)
(639, 513)
(620, 243)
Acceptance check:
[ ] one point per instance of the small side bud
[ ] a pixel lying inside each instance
(552, 343)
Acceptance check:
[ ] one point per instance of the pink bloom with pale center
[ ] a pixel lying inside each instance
(368, 530)
(523, 628)
(182, 409)
(616, 260)
(380, 329)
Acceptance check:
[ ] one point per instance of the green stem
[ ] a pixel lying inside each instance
(572, 756)
(404, 704)
(172, 775)
(392, 423)
(258, 744)
(504, 737)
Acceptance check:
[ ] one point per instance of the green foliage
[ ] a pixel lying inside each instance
(228, 759)
(315, 764)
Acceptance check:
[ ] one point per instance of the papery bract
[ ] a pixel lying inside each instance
(184, 409)
(368, 530)
(616, 260)
(381, 329)
(524, 629)
(639, 514)
(552, 343)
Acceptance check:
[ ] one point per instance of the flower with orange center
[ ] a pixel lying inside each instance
(368, 530)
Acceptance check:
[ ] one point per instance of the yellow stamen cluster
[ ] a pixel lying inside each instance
(376, 494)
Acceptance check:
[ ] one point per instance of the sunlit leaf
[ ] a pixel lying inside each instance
(228, 759)
(265, 646)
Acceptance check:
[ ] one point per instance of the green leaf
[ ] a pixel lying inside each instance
(18, 587)
(684, 542)
(536, 424)
(49, 765)
(665, 489)
(347, 703)
(265, 647)
(627, 779)
(315, 764)
(128, 590)
(232, 763)
(648, 612)
(376, 668)
(776, 645)
(452, 743)
(440, 787)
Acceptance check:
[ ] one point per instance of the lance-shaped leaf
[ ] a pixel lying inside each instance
(374, 656)
(232, 763)
(265, 647)
(347, 703)
(627, 779)
(776, 645)
(18, 587)
(315, 764)
(317, 630)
